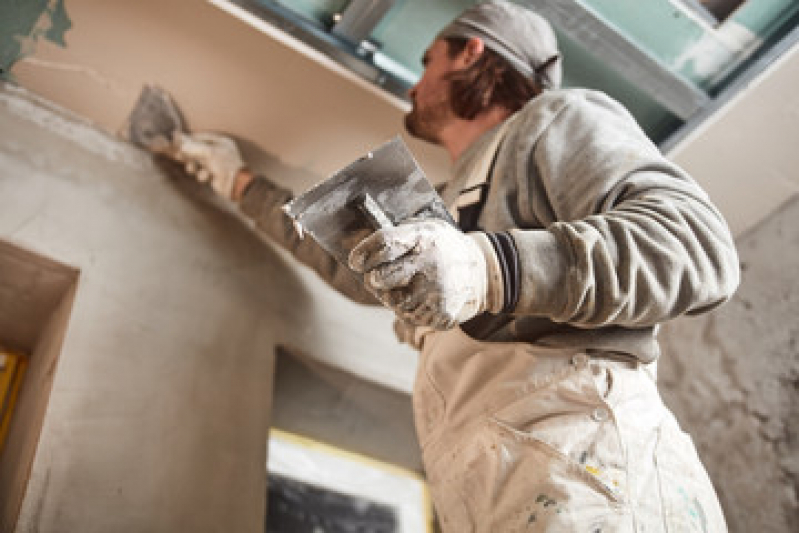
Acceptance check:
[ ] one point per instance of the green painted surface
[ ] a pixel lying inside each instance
(581, 70)
(321, 11)
(690, 47)
(763, 16)
(667, 31)
(411, 25)
(23, 23)
(658, 26)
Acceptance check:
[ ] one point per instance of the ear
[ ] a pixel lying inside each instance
(471, 52)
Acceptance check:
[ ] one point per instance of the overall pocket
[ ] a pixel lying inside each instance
(550, 460)
(571, 418)
(688, 500)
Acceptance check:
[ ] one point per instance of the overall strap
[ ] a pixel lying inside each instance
(469, 214)
(472, 198)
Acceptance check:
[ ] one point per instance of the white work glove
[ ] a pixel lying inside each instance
(210, 157)
(430, 273)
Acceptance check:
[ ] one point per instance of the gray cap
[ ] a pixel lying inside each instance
(517, 34)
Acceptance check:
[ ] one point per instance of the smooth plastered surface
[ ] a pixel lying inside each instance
(225, 74)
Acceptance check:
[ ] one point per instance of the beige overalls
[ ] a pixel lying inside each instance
(521, 437)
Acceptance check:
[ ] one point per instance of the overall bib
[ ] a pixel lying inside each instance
(519, 437)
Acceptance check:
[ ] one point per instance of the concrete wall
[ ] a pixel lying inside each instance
(159, 407)
(332, 406)
(732, 378)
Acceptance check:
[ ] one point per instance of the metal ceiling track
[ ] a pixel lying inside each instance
(587, 28)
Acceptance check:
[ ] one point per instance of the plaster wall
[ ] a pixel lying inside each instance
(160, 401)
(732, 378)
(226, 73)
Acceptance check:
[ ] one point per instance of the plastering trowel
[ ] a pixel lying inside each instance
(154, 120)
(381, 189)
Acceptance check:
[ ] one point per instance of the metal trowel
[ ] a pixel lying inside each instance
(382, 188)
(154, 121)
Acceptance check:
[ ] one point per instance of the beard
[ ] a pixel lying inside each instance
(426, 123)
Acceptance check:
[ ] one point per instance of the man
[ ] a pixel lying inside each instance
(535, 401)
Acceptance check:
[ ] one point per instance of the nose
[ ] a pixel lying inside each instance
(412, 92)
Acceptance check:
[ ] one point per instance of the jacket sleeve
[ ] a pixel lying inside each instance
(263, 202)
(632, 240)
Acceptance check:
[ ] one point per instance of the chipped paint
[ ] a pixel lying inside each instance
(27, 22)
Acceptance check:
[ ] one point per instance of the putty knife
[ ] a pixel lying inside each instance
(381, 189)
(154, 120)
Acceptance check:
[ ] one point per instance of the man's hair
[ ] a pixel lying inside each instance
(488, 81)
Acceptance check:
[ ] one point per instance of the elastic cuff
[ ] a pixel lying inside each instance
(495, 297)
(262, 196)
(508, 258)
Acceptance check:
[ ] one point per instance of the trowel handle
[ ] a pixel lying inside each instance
(373, 212)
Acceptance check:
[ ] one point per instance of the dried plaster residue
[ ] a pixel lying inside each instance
(710, 57)
(25, 105)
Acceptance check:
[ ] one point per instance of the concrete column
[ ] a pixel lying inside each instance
(159, 410)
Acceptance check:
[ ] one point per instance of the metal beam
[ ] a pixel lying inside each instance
(589, 30)
(360, 18)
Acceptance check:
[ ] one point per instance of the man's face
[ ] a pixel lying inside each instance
(431, 109)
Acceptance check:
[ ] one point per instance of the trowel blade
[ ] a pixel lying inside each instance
(389, 178)
(154, 120)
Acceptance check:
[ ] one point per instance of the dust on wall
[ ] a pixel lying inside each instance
(732, 379)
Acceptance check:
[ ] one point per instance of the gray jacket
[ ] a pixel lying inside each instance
(611, 239)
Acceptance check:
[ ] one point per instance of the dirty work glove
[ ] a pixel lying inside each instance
(210, 157)
(409, 334)
(430, 273)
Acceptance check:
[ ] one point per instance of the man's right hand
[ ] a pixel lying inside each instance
(211, 158)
